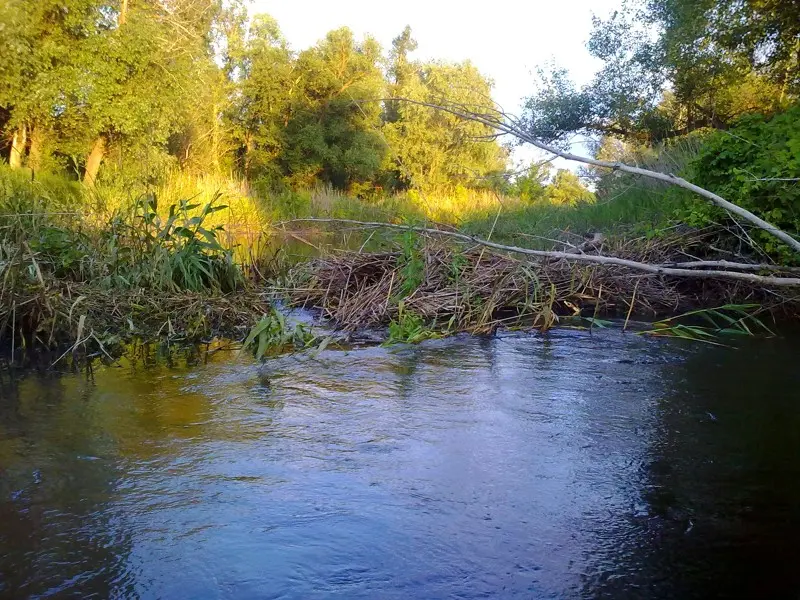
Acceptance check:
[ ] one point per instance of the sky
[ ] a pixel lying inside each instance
(505, 39)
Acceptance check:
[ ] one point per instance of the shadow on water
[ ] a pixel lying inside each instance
(721, 512)
(566, 465)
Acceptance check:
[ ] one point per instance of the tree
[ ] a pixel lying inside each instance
(267, 84)
(431, 148)
(332, 133)
(46, 49)
(674, 66)
(133, 93)
(400, 73)
(531, 186)
(567, 189)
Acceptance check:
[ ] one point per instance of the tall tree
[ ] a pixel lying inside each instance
(135, 94)
(433, 148)
(267, 83)
(401, 71)
(673, 66)
(47, 52)
(333, 131)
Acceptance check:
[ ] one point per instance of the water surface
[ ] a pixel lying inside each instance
(557, 466)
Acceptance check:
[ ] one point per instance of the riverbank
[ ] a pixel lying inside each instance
(425, 287)
(80, 277)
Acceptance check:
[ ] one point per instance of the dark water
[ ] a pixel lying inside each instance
(561, 466)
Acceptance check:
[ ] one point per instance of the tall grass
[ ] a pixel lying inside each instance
(63, 231)
(634, 211)
(248, 212)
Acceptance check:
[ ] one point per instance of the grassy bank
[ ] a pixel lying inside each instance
(80, 273)
(88, 270)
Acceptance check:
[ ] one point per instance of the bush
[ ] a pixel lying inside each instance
(756, 164)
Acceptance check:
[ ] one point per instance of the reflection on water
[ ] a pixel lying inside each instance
(567, 465)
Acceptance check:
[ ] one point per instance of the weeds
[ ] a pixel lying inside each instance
(409, 328)
(411, 265)
(273, 335)
(727, 320)
(146, 272)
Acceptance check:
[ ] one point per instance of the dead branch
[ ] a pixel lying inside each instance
(654, 269)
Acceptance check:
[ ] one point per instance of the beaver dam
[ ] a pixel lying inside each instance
(414, 282)
(449, 287)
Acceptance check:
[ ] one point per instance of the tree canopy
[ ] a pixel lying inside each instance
(108, 88)
(673, 66)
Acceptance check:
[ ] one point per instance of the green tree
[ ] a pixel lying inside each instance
(567, 189)
(46, 49)
(267, 84)
(332, 133)
(432, 148)
(719, 59)
(531, 186)
(757, 166)
(133, 97)
(400, 73)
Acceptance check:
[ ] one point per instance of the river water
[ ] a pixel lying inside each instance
(565, 465)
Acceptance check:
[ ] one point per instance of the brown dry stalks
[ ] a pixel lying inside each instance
(479, 289)
(57, 315)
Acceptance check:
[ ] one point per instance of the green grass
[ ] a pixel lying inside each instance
(55, 202)
(637, 211)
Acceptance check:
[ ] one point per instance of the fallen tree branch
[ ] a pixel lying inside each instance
(499, 121)
(726, 264)
(654, 269)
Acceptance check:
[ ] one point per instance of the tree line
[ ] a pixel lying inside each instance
(106, 88)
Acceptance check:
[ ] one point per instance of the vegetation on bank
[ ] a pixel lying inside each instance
(142, 193)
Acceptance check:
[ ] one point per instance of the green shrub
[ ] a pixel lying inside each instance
(756, 164)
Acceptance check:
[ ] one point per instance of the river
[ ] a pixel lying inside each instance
(566, 465)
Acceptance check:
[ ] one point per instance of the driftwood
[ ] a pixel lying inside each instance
(694, 269)
(505, 124)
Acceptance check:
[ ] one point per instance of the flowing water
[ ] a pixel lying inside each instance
(522, 466)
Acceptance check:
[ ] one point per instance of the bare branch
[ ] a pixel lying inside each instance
(572, 257)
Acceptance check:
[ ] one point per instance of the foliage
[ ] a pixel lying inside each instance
(274, 335)
(412, 265)
(726, 320)
(264, 104)
(719, 60)
(332, 130)
(756, 164)
(169, 249)
(568, 189)
(179, 251)
(409, 328)
(434, 149)
(531, 185)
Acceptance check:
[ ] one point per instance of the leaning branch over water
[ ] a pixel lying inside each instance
(506, 124)
(655, 269)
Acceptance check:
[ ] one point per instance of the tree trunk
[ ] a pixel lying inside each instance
(35, 151)
(94, 160)
(123, 13)
(18, 147)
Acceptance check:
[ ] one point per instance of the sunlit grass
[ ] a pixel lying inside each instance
(250, 212)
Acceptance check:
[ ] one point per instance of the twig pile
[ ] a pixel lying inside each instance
(479, 289)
